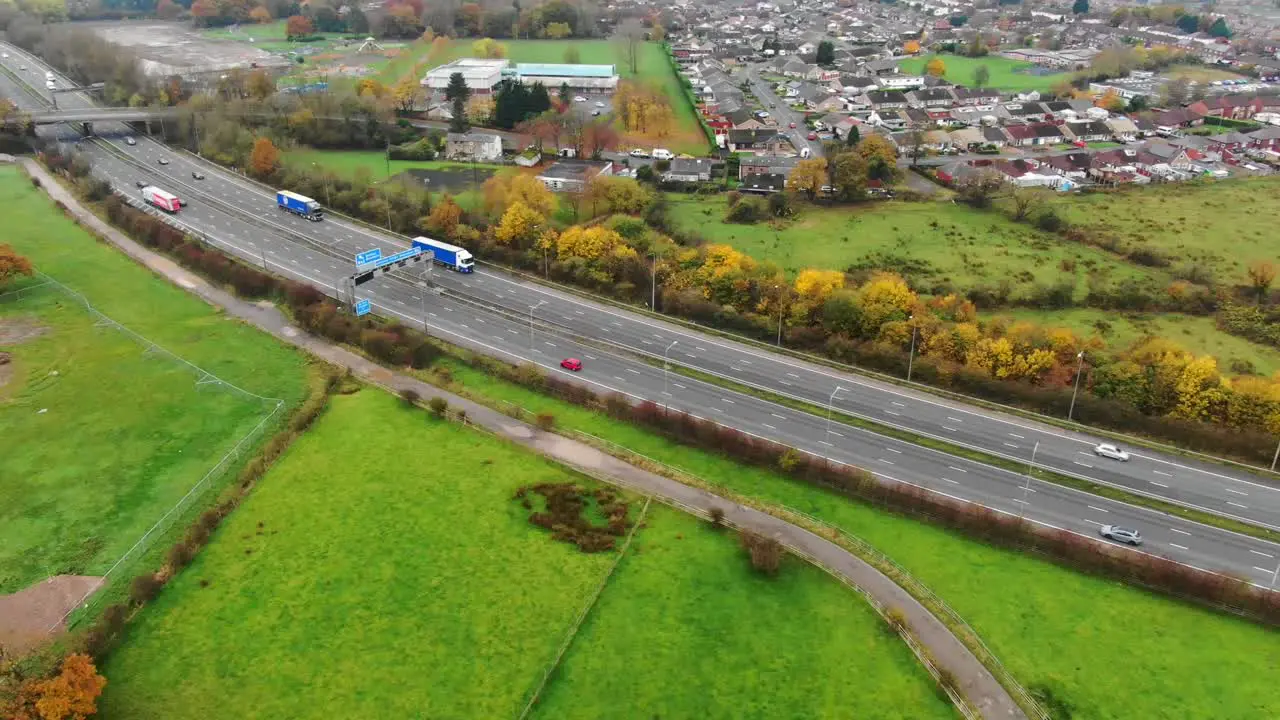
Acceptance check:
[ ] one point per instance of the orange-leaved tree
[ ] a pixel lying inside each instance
(12, 265)
(264, 159)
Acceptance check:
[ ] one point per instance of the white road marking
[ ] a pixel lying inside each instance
(793, 375)
(957, 469)
(1236, 504)
(1095, 507)
(589, 357)
(894, 451)
(1180, 532)
(780, 417)
(1016, 436)
(824, 442)
(1237, 492)
(954, 419)
(727, 400)
(1020, 501)
(1265, 571)
(890, 412)
(615, 377)
(745, 362)
(1082, 464)
(548, 343)
(577, 312)
(678, 385)
(1259, 552)
(1157, 484)
(637, 372)
(1180, 547)
(953, 482)
(886, 462)
(769, 426)
(1095, 522)
(646, 342)
(1162, 473)
(513, 332)
(1010, 445)
(948, 429)
(898, 404)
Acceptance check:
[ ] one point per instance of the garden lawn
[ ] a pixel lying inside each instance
(1221, 225)
(686, 629)
(937, 245)
(652, 67)
(1006, 75)
(1052, 627)
(1199, 335)
(402, 582)
(101, 440)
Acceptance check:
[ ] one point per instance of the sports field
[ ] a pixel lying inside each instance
(1006, 75)
(101, 437)
(409, 583)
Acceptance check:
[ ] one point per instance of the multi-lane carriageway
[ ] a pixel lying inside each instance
(505, 316)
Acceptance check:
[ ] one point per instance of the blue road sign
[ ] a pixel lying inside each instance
(369, 256)
(362, 307)
(402, 255)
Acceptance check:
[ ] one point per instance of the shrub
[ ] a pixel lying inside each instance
(896, 619)
(765, 552)
(410, 397)
(545, 421)
(1049, 221)
(746, 211)
(144, 588)
(438, 406)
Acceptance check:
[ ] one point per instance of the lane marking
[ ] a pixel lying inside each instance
(780, 417)
(1016, 436)
(769, 426)
(1236, 504)
(1180, 547)
(895, 402)
(1010, 445)
(953, 419)
(678, 385)
(1095, 507)
(1259, 552)
(894, 451)
(1265, 571)
(1077, 462)
(957, 469)
(886, 462)
(951, 429)
(1095, 522)
(793, 375)
(1157, 484)
(890, 412)
(1237, 492)
(824, 442)
(1162, 473)
(727, 400)
(637, 372)
(1180, 532)
(833, 432)
(953, 482)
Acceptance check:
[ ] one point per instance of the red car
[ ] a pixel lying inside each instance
(813, 136)
(793, 126)
(573, 364)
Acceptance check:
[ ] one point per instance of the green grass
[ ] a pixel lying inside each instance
(97, 453)
(1051, 627)
(398, 583)
(685, 629)
(1006, 75)
(1200, 73)
(652, 67)
(348, 163)
(270, 37)
(1188, 221)
(1199, 335)
(965, 248)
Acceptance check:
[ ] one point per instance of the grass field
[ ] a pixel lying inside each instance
(652, 67)
(270, 37)
(96, 453)
(1006, 75)
(686, 629)
(1200, 73)
(1221, 225)
(932, 242)
(410, 584)
(1197, 334)
(1052, 627)
(347, 163)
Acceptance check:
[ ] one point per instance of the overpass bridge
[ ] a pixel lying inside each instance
(89, 115)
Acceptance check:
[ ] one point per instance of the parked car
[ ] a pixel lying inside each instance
(793, 126)
(595, 113)
(573, 364)
(813, 136)
(140, 183)
(197, 175)
(1121, 534)
(579, 98)
(599, 103)
(1111, 451)
(163, 161)
(662, 154)
(130, 141)
(640, 153)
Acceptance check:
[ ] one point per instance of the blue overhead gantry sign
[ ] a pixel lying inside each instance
(363, 308)
(369, 257)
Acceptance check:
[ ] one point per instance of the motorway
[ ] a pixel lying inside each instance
(507, 317)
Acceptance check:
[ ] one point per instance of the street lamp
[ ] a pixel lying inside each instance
(780, 290)
(531, 309)
(1027, 487)
(665, 372)
(830, 401)
(653, 285)
(912, 356)
(1079, 368)
(1275, 457)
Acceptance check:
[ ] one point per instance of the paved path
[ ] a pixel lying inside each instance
(975, 682)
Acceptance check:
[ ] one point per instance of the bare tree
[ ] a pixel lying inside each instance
(1026, 199)
(630, 35)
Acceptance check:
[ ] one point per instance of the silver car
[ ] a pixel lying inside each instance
(1121, 534)
(1111, 451)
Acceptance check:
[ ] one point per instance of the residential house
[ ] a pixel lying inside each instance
(743, 119)
(1034, 134)
(763, 183)
(994, 135)
(1089, 131)
(688, 170)
(1231, 107)
(766, 140)
(880, 68)
(975, 96)
(1122, 128)
(967, 138)
(931, 98)
(1175, 119)
(574, 175)
(1025, 112)
(886, 100)
(900, 82)
(474, 146)
(766, 165)
(1075, 165)
(1231, 142)
(795, 68)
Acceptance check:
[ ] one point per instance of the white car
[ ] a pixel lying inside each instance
(1121, 534)
(5, 56)
(579, 99)
(599, 103)
(639, 153)
(1111, 451)
(662, 154)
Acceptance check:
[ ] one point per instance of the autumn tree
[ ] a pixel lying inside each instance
(1022, 200)
(12, 265)
(488, 48)
(370, 87)
(444, 217)
(629, 37)
(259, 14)
(935, 67)
(597, 137)
(558, 31)
(593, 243)
(609, 195)
(298, 27)
(406, 94)
(1111, 101)
(479, 109)
(1261, 274)
(883, 298)
(848, 171)
(505, 188)
(264, 159)
(911, 47)
(520, 226)
(438, 51)
(72, 694)
(168, 10)
(643, 109)
(808, 177)
(812, 289)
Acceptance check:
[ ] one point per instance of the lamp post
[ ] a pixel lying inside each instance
(1027, 487)
(831, 401)
(781, 295)
(1274, 576)
(912, 355)
(1079, 368)
(531, 309)
(666, 369)
(1275, 457)
(328, 200)
(653, 285)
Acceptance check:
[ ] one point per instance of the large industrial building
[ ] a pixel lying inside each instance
(482, 76)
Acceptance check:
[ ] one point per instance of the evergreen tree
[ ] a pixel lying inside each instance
(565, 95)
(826, 53)
(511, 104)
(1081, 7)
(1219, 28)
(457, 89)
(458, 123)
(853, 137)
(1188, 23)
(539, 101)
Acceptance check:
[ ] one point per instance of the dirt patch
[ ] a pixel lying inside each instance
(453, 180)
(6, 368)
(27, 615)
(16, 330)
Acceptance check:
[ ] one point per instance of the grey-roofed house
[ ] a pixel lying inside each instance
(931, 98)
(688, 170)
(573, 175)
(477, 146)
(764, 183)
(766, 165)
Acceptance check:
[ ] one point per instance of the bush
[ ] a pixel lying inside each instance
(439, 406)
(144, 588)
(545, 421)
(765, 552)
(410, 397)
(1049, 221)
(717, 516)
(747, 211)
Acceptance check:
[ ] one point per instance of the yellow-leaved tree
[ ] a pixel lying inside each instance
(884, 297)
(508, 187)
(808, 177)
(812, 288)
(520, 226)
(936, 67)
(488, 48)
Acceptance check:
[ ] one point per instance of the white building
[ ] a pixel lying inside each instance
(586, 78)
(481, 75)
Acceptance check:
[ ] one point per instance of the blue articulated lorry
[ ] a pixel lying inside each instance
(450, 256)
(299, 205)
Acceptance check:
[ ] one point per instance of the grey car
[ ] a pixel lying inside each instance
(1121, 534)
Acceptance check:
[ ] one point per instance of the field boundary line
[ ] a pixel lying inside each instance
(582, 615)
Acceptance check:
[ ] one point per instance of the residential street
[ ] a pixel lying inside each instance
(782, 114)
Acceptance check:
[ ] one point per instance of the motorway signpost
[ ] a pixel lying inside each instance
(363, 307)
(369, 257)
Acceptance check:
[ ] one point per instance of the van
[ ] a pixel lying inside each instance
(804, 152)
(49, 75)
(662, 154)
